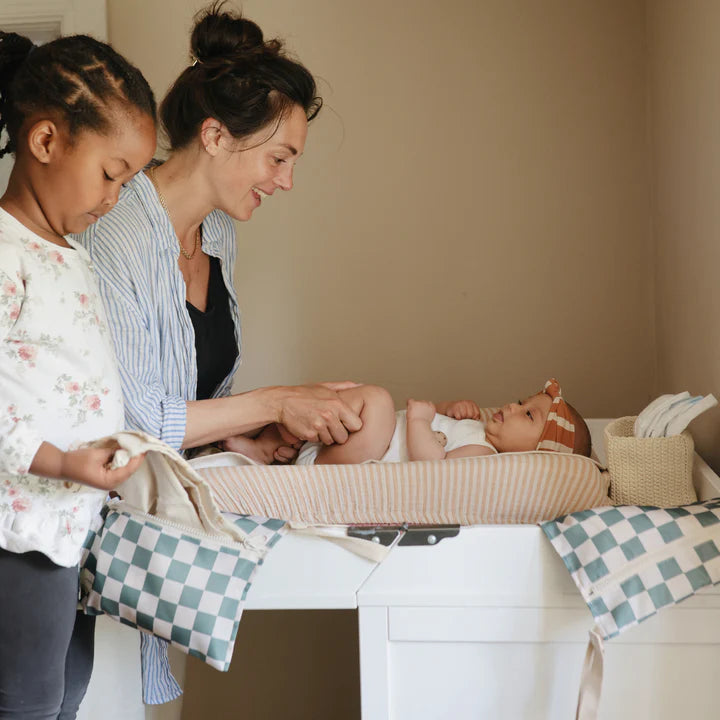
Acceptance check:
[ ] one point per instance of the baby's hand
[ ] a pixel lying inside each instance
(420, 410)
(463, 410)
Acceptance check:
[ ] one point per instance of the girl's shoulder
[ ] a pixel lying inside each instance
(20, 246)
(14, 236)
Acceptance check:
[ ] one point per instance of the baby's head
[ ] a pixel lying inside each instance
(522, 425)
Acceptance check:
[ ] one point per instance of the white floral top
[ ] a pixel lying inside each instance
(58, 383)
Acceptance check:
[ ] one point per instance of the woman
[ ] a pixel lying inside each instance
(236, 121)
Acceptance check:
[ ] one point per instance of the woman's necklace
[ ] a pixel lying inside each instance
(188, 255)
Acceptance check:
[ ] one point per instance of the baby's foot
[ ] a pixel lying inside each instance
(265, 448)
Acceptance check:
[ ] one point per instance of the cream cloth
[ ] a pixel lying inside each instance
(166, 486)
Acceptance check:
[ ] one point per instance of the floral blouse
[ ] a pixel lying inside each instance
(58, 383)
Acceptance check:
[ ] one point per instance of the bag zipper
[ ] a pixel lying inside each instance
(708, 533)
(124, 507)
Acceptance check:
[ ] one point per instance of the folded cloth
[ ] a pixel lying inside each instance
(679, 423)
(659, 429)
(648, 418)
(671, 414)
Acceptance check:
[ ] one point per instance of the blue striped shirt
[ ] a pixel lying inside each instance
(134, 251)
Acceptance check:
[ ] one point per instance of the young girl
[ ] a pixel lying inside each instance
(543, 421)
(81, 121)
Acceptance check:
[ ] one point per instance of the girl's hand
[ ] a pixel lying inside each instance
(91, 466)
(463, 410)
(420, 410)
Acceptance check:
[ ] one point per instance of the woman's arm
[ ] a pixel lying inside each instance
(310, 412)
(126, 283)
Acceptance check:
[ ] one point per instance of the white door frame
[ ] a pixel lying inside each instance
(60, 17)
(44, 20)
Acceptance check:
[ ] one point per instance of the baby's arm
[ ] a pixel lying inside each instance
(422, 442)
(459, 409)
(421, 439)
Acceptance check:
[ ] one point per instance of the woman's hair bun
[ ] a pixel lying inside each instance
(239, 78)
(220, 37)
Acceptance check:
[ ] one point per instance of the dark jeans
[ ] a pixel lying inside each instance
(46, 647)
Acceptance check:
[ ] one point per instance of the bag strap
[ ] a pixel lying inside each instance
(591, 678)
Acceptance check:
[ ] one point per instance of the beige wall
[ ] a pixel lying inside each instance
(684, 71)
(472, 215)
(472, 211)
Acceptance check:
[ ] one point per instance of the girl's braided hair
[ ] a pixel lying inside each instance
(76, 79)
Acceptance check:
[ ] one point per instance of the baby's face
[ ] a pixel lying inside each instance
(517, 427)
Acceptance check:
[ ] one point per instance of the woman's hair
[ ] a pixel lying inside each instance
(76, 79)
(237, 77)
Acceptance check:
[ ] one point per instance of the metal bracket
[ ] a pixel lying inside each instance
(428, 534)
(404, 534)
(382, 534)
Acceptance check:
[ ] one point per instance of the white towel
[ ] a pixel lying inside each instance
(670, 414)
(648, 418)
(678, 424)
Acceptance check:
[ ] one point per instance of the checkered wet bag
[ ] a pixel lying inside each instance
(173, 582)
(629, 562)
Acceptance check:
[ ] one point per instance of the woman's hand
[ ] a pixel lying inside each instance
(316, 413)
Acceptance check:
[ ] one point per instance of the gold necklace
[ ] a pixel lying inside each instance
(188, 255)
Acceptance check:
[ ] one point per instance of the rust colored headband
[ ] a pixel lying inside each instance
(558, 435)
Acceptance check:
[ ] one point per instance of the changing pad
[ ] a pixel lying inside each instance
(526, 487)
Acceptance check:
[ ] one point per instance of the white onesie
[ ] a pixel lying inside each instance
(458, 432)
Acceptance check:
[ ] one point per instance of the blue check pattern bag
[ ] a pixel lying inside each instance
(164, 559)
(168, 581)
(629, 562)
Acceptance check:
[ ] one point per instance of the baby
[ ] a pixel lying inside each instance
(543, 421)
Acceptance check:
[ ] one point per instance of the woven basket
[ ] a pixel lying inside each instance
(649, 471)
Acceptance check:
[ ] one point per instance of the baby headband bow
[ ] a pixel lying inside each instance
(558, 435)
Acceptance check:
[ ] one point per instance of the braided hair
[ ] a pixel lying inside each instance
(237, 77)
(76, 78)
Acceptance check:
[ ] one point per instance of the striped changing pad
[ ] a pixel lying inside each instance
(526, 487)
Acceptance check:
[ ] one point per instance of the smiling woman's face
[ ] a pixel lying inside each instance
(242, 178)
(517, 427)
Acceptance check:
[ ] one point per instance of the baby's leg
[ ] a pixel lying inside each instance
(371, 441)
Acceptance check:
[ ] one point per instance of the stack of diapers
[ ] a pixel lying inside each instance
(526, 487)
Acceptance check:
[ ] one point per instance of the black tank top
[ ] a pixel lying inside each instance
(215, 344)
